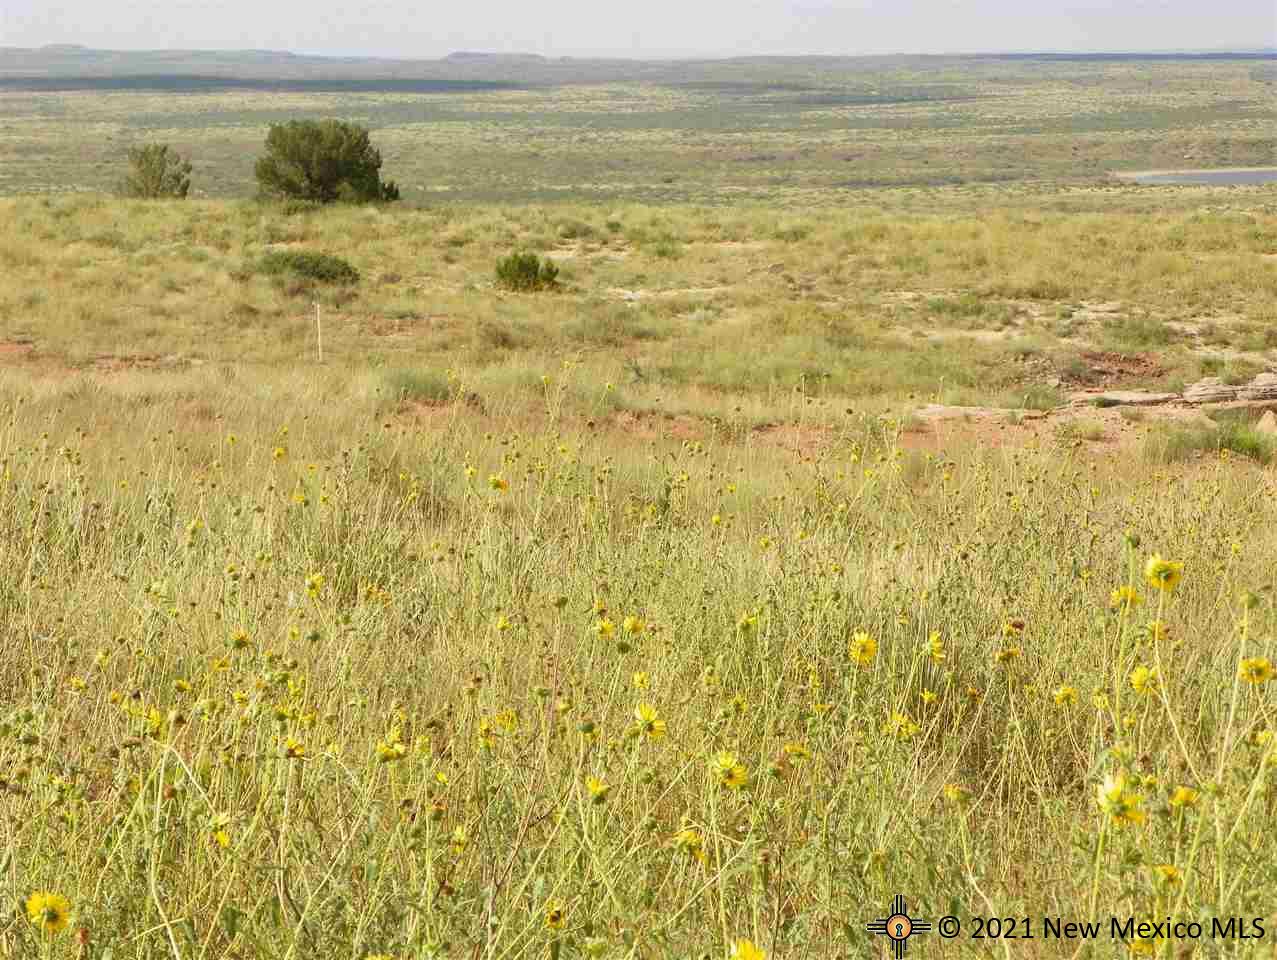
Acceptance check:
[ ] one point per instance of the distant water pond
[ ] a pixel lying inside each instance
(1213, 177)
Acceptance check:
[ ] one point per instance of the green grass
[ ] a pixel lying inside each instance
(1175, 444)
(1082, 429)
(417, 386)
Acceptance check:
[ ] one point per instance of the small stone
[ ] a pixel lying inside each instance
(1268, 424)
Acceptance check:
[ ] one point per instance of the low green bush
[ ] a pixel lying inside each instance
(309, 265)
(526, 272)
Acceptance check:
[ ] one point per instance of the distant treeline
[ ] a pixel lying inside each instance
(179, 83)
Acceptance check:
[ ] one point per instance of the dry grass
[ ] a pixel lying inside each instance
(350, 658)
(291, 674)
(840, 308)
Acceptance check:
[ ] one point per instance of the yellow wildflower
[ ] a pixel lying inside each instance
(1183, 798)
(862, 648)
(1163, 574)
(729, 772)
(392, 748)
(217, 830)
(598, 789)
(900, 726)
(1124, 598)
(48, 911)
(1118, 802)
(955, 794)
(1006, 655)
(1256, 670)
(556, 916)
(1064, 696)
(691, 843)
(797, 752)
(649, 722)
(1143, 680)
(745, 950)
(935, 647)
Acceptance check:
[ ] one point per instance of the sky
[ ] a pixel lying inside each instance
(647, 29)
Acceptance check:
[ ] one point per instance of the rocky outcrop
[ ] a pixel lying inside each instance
(1211, 390)
(1263, 387)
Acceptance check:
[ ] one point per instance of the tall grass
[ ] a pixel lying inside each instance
(289, 676)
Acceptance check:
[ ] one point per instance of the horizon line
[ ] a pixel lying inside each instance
(659, 56)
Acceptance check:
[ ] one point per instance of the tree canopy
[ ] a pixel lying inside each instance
(322, 161)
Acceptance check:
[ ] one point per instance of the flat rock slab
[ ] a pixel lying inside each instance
(1263, 387)
(1122, 398)
(1214, 390)
(1211, 390)
(938, 411)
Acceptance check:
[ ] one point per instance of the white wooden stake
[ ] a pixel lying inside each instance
(319, 334)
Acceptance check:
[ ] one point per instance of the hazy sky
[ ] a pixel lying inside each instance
(648, 28)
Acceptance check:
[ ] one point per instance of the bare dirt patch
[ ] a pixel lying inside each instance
(738, 246)
(806, 440)
(1100, 429)
(659, 426)
(14, 350)
(633, 296)
(1105, 369)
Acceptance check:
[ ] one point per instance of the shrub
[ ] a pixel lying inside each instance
(322, 161)
(419, 386)
(1172, 444)
(320, 267)
(526, 271)
(156, 173)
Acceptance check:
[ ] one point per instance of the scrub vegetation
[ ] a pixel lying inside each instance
(641, 615)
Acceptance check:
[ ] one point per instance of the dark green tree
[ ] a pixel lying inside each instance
(322, 161)
(155, 172)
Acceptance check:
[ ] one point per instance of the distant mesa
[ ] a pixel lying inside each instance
(471, 55)
(64, 47)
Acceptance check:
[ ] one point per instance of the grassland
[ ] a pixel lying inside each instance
(638, 618)
(842, 306)
(805, 133)
(318, 658)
